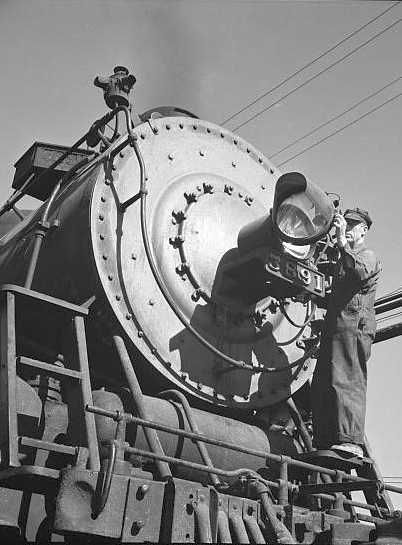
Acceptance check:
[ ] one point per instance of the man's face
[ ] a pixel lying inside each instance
(355, 231)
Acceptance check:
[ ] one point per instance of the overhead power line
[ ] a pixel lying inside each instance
(316, 59)
(341, 129)
(332, 119)
(386, 29)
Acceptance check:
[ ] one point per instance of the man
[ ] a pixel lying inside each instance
(340, 379)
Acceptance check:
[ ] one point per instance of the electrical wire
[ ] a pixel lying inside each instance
(338, 116)
(309, 80)
(310, 63)
(325, 138)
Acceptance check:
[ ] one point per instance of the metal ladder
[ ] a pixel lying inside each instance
(16, 304)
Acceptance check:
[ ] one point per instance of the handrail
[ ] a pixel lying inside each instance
(217, 442)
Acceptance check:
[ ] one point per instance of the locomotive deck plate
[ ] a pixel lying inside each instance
(293, 271)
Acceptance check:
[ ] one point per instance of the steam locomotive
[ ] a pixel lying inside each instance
(160, 317)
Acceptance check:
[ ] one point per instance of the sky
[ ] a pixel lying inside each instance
(213, 58)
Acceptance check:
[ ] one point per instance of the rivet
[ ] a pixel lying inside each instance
(222, 135)
(118, 297)
(208, 130)
(183, 376)
(235, 142)
(171, 156)
(234, 507)
(142, 136)
(122, 154)
(101, 217)
(305, 366)
(248, 150)
(110, 276)
(195, 127)
(167, 127)
(263, 187)
(104, 257)
(228, 189)
(168, 363)
(260, 159)
(240, 195)
(155, 130)
(154, 350)
(181, 125)
(102, 237)
(114, 167)
(151, 302)
(107, 182)
(271, 170)
(201, 153)
(199, 385)
(133, 256)
(246, 397)
(140, 333)
(233, 164)
(143, 489)
(103, 199)
(128, 316)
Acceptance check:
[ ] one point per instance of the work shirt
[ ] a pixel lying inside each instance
(340, 380)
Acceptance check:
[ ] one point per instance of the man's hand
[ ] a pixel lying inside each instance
(340, 224)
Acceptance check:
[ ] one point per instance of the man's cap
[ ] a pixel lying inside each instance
(357, 214)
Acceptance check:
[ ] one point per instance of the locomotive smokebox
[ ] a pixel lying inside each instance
(153, 235)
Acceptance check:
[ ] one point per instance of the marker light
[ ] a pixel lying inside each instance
(302, 212)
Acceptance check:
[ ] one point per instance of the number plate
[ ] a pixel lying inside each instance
(291, 270)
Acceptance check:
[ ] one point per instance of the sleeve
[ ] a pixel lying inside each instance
(365, 264)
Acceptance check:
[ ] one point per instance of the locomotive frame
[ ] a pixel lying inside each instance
(90, 482)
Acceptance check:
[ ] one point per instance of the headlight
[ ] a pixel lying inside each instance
(302, 212)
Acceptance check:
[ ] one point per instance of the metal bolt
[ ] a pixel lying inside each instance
(246, 397)
(118, 297)
(167, 127)
(137, 526)
(233, 164)
(179, 215)
(142, 136)
(228, 189)
(208, 188)
(271, 170)
(128, 316)
(171, 156)
(101, 217)
(263, 187)
(240, 195)
(151, 302)
(260, 159)
(154, 351)
(208, 130)
(114, 167)
(110, 277)
(235, 142)
(103, 199)
(107, 182)
(201, 153)
(222, 135)
(181, 125)
(133, 256)
(122, 154)
(176, 241)
(182, 268)
(184, 376)
(195, 127)
(140, 333)
(101, 236)
(305, 367)
(199, 385)
(196, 295)
(155, 130)
(248, 150)
(104, 257)
(190, 197)
(143, 489)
